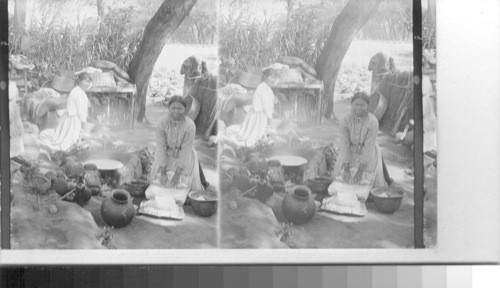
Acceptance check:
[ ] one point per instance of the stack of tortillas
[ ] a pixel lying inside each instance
(344, 204)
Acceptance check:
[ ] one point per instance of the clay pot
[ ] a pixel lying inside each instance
(92, 176)
(264, 191)
(87, 194)
(118, 210)
(299, 207)
(95, 190)
(278, 187)
(60, 186)
(276, 172)
(51, 175)
(242, 182)
(226, 180)
(61, 175)
(82, 194)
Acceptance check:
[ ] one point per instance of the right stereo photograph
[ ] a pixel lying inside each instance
(318, 124)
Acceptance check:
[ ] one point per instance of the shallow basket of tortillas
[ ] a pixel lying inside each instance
(344, 204)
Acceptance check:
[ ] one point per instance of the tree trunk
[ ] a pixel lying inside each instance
(20, 15)
(345, 27)
(159, 29)
(431, 9)
(100, 9)
(289, 8)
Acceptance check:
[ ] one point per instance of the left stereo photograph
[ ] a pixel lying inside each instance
(114, 116)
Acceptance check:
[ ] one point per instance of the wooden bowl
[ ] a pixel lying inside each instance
(388, 204)
(203, 207)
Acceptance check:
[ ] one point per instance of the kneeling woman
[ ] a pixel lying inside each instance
(358, 144)
(175, 149)
(254, 127)
(74, 119)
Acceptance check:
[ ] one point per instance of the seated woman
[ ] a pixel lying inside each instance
(254, 127)
(175, 149)
(358, 144)
(16, 124)
(73, 120)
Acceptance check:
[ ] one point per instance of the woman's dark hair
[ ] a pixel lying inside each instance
(177, 99)
(361, 95)
(84, 76)
(269, 72)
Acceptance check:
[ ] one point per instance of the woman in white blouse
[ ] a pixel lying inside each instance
(254, 126)
(73, 120)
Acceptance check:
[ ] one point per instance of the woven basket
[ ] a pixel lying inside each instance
(319, 184)
(193, 107)
(377, 105)
(103, 79)
(63, 84)
(292, 75)
(249, 79)
(68, 74)
(136, 188)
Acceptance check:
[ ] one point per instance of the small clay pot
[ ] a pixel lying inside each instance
(87, 194)
(61, 175)
(118, 210)
(95, 190)
(242, 182)
(60, 186)
(299, 207)
(225, 180)
(278, 187)
(51, 175)
(264, 191)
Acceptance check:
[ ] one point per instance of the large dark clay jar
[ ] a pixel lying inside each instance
(299, 207)
(118, 210)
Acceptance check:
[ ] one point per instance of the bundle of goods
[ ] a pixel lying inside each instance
(231, 90)
(361, 190)
(20, 62)
(291, 75)
(118, 73)
(306, 70)
(44, 93)
(232, 95)
(103, 79)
